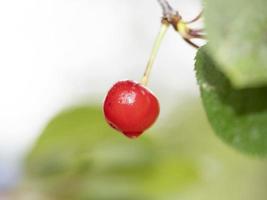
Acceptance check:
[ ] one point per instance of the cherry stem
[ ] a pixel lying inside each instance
(161, 34)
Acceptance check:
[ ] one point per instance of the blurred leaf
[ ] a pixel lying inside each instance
(219, 172)
(238, 116)
(78, 150)
(181, 160)
(237, 34)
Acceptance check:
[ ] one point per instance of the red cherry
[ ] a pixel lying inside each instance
(130, 108)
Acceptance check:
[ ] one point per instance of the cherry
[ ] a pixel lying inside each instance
(130, 108)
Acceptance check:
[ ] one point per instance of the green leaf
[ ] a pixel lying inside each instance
(238, 116)
(237, 34)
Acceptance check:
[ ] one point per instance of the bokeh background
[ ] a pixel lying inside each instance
(58, 59)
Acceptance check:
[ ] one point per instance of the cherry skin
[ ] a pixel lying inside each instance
(130, 108)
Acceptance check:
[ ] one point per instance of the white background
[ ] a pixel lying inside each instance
(56, 53)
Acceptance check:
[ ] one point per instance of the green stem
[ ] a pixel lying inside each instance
(163, 30)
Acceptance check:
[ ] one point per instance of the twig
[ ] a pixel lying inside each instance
(191, 43)
(172, 17)
(168, 11)
(196, 18)
(195, 33)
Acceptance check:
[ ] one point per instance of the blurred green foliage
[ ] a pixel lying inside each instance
(78, 157)
(238, 40)
(238, 116)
